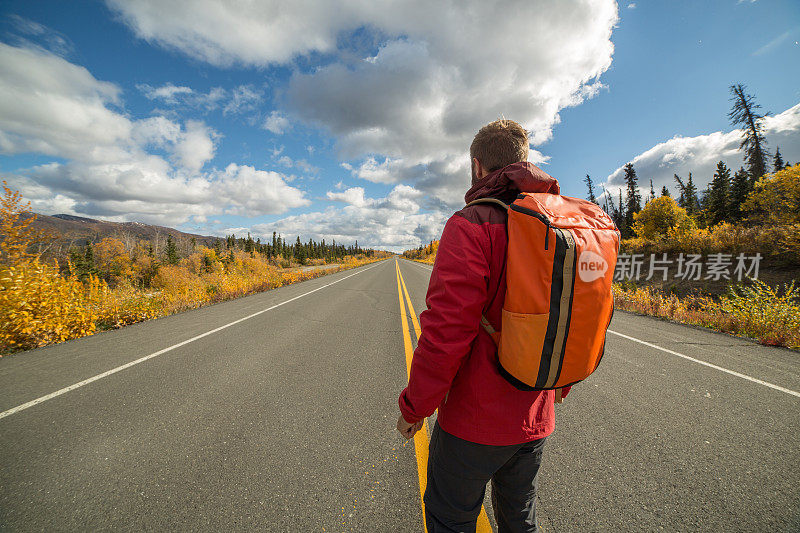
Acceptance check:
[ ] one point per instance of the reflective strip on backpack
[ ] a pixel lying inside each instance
(564, 263)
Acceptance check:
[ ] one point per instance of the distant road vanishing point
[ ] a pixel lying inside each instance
(277, 412)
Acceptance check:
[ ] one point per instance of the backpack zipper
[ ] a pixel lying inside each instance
(547, 232)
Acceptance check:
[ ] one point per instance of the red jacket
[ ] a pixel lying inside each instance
(455, 365)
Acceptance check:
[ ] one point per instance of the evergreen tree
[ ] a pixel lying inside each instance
(718, 204)
(744, 113)
(740, 188)
(688, 199)
(702, 212)
(605, 197)
(82, 262)
(299, 252)
(634, 197)
(777, 161)
(652, 191)
(664, 191)
(590, 185)
(617, 213)
(88, 260)
(172, 251)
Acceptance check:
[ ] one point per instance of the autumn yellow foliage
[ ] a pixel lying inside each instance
(39, 305)
(767, 314)
(776, 197)
(660, 217)
(423, 254)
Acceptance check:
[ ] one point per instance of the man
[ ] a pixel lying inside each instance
(486, 428)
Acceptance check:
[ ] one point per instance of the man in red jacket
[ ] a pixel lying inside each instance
(486, 428)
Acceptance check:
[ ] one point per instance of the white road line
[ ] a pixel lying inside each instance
(426, 267)
(698, 361)
(721, 369)
(165, 350)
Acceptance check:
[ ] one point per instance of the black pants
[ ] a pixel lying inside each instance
(458, 471)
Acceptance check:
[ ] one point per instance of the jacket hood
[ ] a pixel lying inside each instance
(521, 177)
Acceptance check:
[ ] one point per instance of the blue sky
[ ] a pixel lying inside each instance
(352, 120)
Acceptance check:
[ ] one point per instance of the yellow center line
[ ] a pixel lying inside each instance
(421, 438)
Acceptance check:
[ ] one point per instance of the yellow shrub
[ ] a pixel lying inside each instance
(111, 260)
(658, 217)
(38, 306)
(775, 199)
(762, 312)
(756, 310)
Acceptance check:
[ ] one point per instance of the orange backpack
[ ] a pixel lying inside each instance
(560, 263)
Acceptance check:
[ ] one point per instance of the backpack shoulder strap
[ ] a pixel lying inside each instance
(485, 321)
(488, 201)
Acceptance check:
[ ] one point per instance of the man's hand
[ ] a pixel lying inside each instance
(408, 430)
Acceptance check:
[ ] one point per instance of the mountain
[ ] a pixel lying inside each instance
(71, 230)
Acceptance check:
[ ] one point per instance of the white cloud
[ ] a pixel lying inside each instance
(195, 146)
(239, 100)
(168, 93)
(440, 70)
(30, 34)
(257, 192)
(632, 5)
(352, 196)
(156, 131)
(116, 167)
(774, 43)
(699, 155)
(276, 122)
(243, 98)
(395, 222)
(53, 107)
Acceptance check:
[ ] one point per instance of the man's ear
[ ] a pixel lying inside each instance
(477, 167)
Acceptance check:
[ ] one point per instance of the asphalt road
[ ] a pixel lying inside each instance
(284, 421)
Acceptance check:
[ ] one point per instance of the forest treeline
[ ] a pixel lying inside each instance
(113, 283)
(755, 209)
(116, 262)
(423, 254)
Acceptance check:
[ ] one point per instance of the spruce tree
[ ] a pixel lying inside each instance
(299, 252)
(172, 251)
(688, 199)
(88, 260)
(652, 191)
(605, 196)
(740, 188)
(664, 191)
(744, 113)
(618, 214)
(634, 197)
(718, 207)
(590, 185)
(702, 213)
(777, 161)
